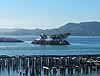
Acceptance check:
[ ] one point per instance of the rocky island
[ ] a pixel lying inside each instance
(55, 39)
(8, 39)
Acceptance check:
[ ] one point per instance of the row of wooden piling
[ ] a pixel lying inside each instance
(50, 65)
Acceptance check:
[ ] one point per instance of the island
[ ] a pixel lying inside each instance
(8, 39)
(55, 39)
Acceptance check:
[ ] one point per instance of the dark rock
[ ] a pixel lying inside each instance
(51, 42)
(4, 39)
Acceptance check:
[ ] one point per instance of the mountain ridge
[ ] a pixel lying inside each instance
(77, 29)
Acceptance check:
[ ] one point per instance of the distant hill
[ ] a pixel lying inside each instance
(82, 28)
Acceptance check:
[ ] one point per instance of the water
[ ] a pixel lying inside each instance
(79, 45)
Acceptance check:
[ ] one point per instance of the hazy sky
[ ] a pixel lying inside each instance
(46, 13)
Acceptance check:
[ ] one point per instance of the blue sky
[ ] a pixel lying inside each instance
(44, 14)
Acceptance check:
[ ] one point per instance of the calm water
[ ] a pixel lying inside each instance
(80, 45)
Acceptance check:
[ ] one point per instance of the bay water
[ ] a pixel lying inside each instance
(79, 45)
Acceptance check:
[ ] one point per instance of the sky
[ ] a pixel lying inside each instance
(47, 14)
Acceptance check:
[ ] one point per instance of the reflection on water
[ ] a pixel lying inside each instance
(50, 65)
